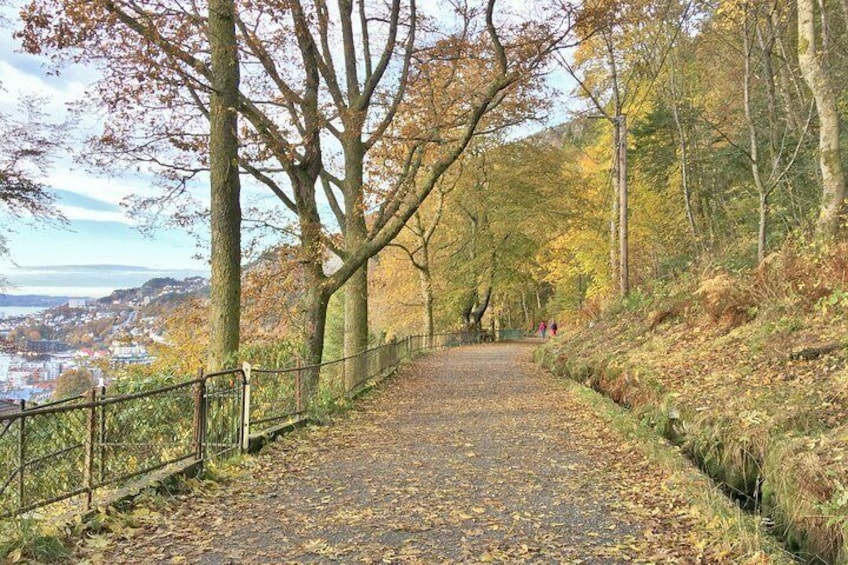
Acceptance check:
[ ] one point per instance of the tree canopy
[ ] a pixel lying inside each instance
(385, 134)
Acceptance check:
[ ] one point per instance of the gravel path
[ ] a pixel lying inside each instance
(470, 455)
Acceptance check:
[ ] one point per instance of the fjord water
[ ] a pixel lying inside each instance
(89, 281)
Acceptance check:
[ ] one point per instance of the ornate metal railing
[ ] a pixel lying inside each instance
(73, 454)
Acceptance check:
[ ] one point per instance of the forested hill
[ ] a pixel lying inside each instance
(160, 289)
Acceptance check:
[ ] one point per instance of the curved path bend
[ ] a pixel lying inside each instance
(470, 455)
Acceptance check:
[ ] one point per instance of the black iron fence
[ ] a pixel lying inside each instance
(72, 454)
(510, 334)
(68, 451)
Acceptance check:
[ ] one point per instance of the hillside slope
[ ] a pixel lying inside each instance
(748, 374)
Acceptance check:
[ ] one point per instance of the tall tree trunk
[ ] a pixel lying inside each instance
(754, 155)
(762, 232)
(677, 95)
(425, 275)
(527, 320)
(768, 40)
(825, 27)
(623, 210)
(833, 176)
(356, 325)
(304, 178)
(476, 317)
(794, 97)
(766, 43)
(426, 283)
(614, 212)
(315, 318)
(356, 288)
(225, 294)
(620, 176)
(844, 5)
(468, 308)
(684, 170)
(317, 296)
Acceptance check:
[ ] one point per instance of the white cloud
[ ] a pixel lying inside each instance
(17, 82)
(79, 213)
(108, 190)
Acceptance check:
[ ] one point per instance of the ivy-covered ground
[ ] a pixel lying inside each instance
(472, 455)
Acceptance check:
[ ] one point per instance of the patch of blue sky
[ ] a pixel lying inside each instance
(87, 242)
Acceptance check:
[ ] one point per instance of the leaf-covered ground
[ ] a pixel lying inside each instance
(752, 407)
(471, 455)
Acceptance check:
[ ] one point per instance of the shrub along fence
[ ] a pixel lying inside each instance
(72, 454)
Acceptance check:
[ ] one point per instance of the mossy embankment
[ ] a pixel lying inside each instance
(747, 373)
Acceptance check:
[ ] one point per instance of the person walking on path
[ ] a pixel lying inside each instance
(554, 328)
(543, 329)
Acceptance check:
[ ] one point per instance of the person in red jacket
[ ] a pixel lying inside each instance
(543, 329)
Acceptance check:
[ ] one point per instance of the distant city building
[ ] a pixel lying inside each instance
(27, 394)
(29, 369)
(16, 377)
(127, 354)
(46, 346)
(5, 363)
(52, 370)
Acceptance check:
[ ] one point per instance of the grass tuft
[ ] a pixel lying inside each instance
(25, 540)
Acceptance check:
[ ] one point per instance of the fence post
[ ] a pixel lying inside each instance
(90, 438)
(245, 420)
(200, 418)
(364, 367)
(385, 358)
(298, 387)
(344, 376)
(22, 458)
(101, 440)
